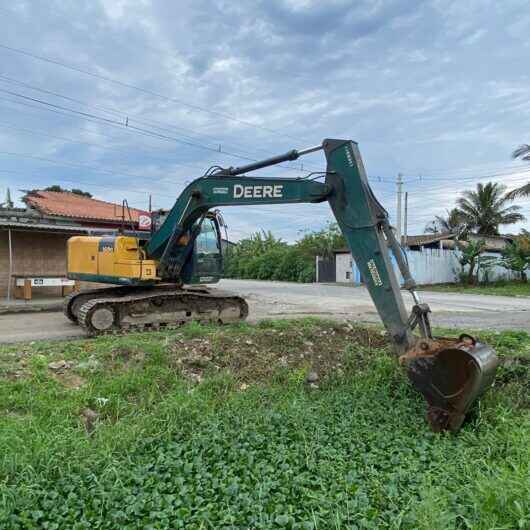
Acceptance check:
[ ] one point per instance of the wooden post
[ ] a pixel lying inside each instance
(10, 275)
(27, 289)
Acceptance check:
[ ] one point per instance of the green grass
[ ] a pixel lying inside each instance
(215, 428)
(495, 288)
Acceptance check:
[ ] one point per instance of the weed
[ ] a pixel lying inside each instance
(208, 427)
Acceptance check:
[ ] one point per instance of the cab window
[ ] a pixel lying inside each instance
(207, 240)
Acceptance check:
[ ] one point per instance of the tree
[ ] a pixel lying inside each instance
(77, 191)
(485, 209)
(263, 256)
(59, 189)
(516, 255)
(322, 242)
(522, 152)
(470, 252)
(452, 223)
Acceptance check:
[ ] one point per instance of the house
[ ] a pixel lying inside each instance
(33, 239)
(446, 240)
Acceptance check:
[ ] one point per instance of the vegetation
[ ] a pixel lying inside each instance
(485, 209)
(499, 288)
(452, 223)
(522, 152)
(262, 256)
(516, 255)
(470, 252)
(479, 211)
(58, 188)
(216, 428)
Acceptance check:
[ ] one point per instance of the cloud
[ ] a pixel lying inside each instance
(424, 86)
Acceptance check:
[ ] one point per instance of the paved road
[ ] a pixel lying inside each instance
(284, 300)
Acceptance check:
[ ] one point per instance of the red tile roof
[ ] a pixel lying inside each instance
(66, 204)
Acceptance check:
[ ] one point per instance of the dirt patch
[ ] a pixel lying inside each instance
(255, 356)
(71, 380)
(125, 357)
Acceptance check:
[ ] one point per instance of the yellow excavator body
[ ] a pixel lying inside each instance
(113, 259)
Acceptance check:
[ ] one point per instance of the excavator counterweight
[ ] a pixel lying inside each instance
(185, 248)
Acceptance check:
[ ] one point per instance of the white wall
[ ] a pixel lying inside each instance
(343, 264)
(428, 267)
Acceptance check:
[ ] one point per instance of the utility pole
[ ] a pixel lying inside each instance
(406, 221)
(399, 183)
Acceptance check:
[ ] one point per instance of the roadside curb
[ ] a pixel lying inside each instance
(31, 308)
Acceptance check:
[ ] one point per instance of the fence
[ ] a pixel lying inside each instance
(431, 266)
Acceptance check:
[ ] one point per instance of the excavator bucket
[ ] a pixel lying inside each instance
(450, 374)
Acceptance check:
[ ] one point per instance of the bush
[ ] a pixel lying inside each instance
(264, 257)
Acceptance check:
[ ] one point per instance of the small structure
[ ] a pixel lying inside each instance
(432, 258)
(448, 241)
(33, 239)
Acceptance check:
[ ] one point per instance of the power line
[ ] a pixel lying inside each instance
(101, 146)
(90, 144)
(457, 178)
(71, 164)
(145, 91)
(122, 113)
(109, 121)
(514, 181)
(128, 126)
(451, 171)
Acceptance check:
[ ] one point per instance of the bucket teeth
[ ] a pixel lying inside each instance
(451, 374)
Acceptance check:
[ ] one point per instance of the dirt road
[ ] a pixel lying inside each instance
(284, 300)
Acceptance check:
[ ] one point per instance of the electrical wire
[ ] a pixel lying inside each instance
(145, 91)
(101, 146)
(121, 125)
(124, 115)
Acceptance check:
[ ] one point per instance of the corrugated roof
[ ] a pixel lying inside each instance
(425, 239)
(66, 204)
(47, 227)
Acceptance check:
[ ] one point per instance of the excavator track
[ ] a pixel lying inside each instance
(159, 309)
(73, 301)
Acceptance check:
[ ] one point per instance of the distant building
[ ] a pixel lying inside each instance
(447, 240)
(345, 270)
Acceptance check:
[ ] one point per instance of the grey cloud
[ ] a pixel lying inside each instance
(422, 85)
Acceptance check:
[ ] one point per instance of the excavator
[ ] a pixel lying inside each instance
(158, 280)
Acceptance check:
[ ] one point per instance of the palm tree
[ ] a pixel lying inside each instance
(452, 223)
(485, 209)
(523, 153)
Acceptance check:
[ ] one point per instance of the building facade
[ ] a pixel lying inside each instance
(33, 239)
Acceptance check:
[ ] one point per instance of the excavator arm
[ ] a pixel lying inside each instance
(450, 373)
(363, 221)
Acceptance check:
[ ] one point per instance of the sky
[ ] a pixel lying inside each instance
(127, 98)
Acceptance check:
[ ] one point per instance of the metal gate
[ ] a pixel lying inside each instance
(326, 270)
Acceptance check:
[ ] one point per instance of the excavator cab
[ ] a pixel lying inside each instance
(206, 262)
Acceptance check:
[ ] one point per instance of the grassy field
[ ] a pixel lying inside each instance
(216, 428)
(497, 288)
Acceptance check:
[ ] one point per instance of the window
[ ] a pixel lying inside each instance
(348, 275)
(207, 239)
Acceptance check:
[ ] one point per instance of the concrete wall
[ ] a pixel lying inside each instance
(429, 267)
(347, 272)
